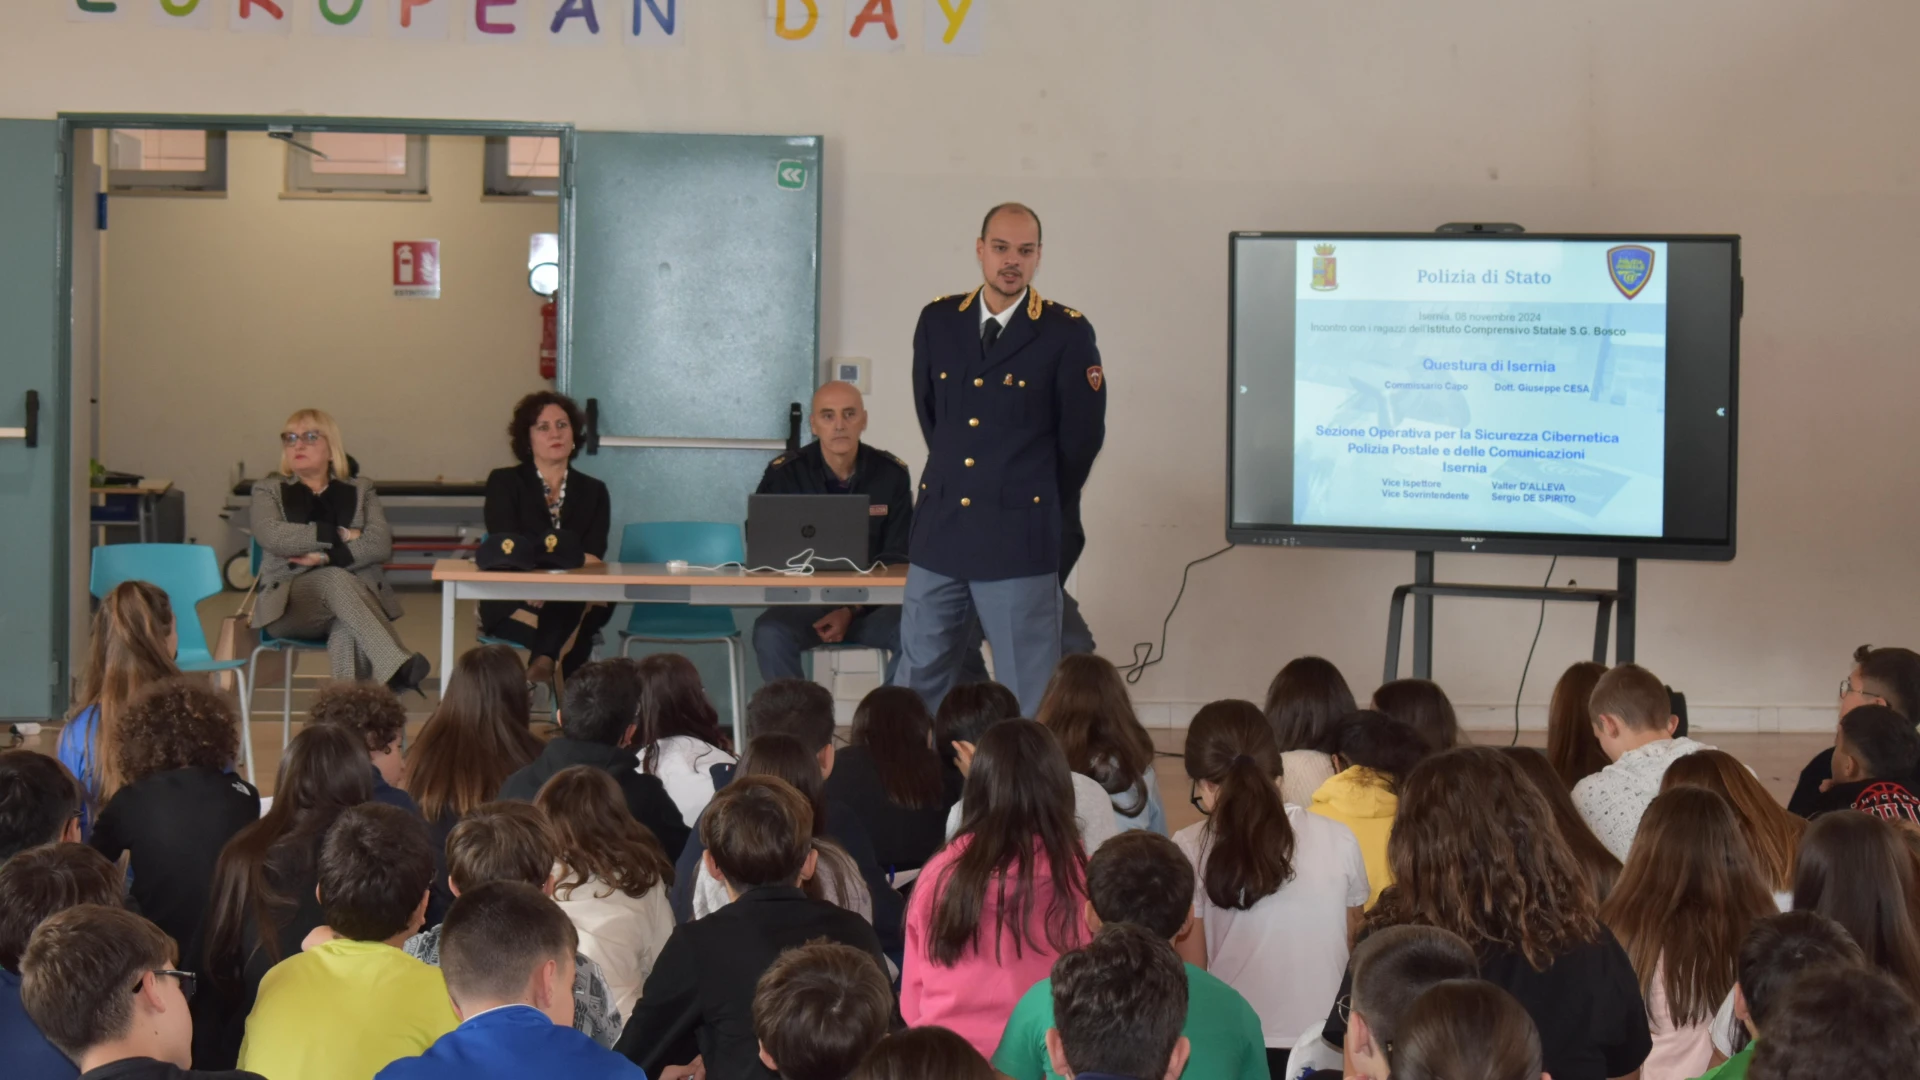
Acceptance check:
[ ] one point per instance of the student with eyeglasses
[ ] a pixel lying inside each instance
(324, 538)
(104, 985)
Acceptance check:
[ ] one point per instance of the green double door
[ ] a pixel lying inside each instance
(692, 322)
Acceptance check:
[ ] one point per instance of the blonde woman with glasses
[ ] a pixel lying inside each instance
(324, 538)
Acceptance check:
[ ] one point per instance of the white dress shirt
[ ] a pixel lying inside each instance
(1006, 315)
(1613, 799)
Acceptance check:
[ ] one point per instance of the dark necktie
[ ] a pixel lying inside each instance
(989, 334)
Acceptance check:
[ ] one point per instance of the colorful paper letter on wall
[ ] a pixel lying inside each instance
(420, 20)
(873, 26)
(794, 24)
(260, 17)
(954, 26)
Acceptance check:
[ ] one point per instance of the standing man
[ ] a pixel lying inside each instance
(1013, 405)
(838, 463)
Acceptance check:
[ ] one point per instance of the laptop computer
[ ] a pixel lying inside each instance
(780, 527)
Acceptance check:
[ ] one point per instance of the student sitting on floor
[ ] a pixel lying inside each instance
(1842, 1022)
(508, 955)
(509, 841)
(597, 728)
(105, 986)
(1776, 951)
(1118, 1005)
(35, 885)
(818, 1011)
(180, 805)
(1876, 756)
(611, 879)
(698, 1002)
(1466, 1029)
(1633, 719)
(965, 715)
(345, 1008)
(1392, 968)
(39, 802)
(373, 714)
(131, 648)
(1142, 878)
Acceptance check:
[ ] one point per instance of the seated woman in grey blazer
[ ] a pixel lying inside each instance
(323, 538)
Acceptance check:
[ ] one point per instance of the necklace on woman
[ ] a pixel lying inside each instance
(555, 501)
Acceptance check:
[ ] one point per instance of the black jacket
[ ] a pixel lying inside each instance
(647, 797)
(517, 503)
(699, 999)
(844, 828)
(175, 824)
(1011, 434)
(876, 474)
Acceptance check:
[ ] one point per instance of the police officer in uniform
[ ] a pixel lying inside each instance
(838, 463)
(1012, 401)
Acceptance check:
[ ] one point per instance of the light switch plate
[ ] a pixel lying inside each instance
(857, 370)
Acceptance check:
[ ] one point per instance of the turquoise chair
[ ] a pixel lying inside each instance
(188, 574)
(700, 543)
(290, 650)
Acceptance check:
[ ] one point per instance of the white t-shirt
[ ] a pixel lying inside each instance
(1287, 952)
(685, 768)
(1092, 811)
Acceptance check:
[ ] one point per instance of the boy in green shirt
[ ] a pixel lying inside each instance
(345, 1009)
(1140, 877)
(1777, 949)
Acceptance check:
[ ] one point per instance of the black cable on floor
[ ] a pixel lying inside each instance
(1515, 741)
(1141, 662)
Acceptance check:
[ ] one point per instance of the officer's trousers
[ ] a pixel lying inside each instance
(1021, 618)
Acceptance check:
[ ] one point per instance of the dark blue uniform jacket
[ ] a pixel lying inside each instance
(1011, 436)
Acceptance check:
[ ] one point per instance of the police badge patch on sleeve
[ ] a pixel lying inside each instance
(1095, 378)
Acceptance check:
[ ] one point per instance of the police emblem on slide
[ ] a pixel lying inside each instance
(1631, 267)
(1323, 276)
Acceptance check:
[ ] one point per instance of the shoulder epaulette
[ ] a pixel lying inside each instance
(777, 462)
(895, 459)
(1065, 310)
(968, 302)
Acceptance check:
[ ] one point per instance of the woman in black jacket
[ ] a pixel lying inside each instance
(543, 493)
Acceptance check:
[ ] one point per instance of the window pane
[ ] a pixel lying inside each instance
(359, 154)
(159, 151)
(533, 155)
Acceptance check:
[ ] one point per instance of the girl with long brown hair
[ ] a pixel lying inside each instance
(1087, 708)
(1423, 706)
(263, 903)
(1475, 852)
(1278, 889)
(1601, 866)
(477, 737)
(1571, 744)
(1305, 703)
(1855, 869)
(132, 648)
(612, 880)
(893, 780)
(1773, 834)
(680, 740)
(1685, 901)
(995, 908)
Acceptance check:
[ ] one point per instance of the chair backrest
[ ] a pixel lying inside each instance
(187, 573)
(701, 543)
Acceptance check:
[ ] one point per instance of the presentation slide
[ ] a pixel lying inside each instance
(1472, 386)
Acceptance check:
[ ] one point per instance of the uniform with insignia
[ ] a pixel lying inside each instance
(1013, 407)
(781, 634)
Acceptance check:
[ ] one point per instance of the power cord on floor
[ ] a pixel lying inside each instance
(1143, 653)
(1515, 741)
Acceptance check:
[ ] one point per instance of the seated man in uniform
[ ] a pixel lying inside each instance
(837, 463)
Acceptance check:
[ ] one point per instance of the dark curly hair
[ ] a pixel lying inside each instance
(179, 723)
(527, 412)
(368, 710)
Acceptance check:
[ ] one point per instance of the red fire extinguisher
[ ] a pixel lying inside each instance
(549, 338)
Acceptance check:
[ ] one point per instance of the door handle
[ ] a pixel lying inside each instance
(594, 440)
(30, 434)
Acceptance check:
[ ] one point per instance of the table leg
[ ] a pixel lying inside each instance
(448, 596)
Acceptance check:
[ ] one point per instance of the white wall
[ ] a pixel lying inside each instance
(224, 315)
(1145, 132)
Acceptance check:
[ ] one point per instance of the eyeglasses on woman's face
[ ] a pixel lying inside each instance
(295, 438)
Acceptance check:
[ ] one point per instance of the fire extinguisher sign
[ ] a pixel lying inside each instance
(416, 269)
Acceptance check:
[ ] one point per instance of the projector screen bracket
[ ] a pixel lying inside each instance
(1423, 589)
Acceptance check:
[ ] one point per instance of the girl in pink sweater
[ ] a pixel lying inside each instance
(995, 907)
